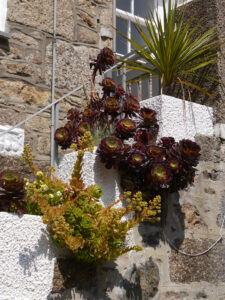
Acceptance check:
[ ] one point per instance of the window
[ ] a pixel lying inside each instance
(127, 12)
(3, 15)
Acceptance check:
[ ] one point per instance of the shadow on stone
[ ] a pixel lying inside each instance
(74, 280)
(171, 227)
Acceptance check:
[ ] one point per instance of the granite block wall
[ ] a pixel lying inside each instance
(208, 14)
(83, 27)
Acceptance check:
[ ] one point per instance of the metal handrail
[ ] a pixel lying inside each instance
(41, 110)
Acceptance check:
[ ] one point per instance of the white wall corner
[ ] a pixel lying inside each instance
(181, 119)
(11, 143)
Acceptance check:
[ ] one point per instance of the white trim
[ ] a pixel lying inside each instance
(3, 14)
(129, 16)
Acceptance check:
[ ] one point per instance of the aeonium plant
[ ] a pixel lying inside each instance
(75, 216)
(12, 195)
(129, 138)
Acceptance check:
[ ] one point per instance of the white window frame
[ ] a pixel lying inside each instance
(131, 17)
(3, 15)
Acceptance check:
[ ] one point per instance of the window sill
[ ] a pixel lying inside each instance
(5, 35)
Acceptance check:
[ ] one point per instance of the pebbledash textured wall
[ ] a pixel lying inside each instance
(83, 27)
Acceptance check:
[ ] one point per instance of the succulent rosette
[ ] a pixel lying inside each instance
(63, 137)
(83, 127)
(104, 60)
(131, 105)
(146, 136)
(89, 114)
(125, 128)
(73, 114)
(108, 85)
(160, 174)
(119, 91)
(189, 149)
(11, 192)
(174, 164)
(137, 160)
(154, 151)
(167, 142)
(110, 150)
(148, 116)
(112, 105)
(11, 181)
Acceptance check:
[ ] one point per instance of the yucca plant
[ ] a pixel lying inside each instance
(173, 48)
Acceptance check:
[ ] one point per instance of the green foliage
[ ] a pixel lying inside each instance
(173, 48)
(77, 220)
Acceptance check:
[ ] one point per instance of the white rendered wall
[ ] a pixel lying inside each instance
(93, 172)
(27, 258)
(181, 119)
(11, 143)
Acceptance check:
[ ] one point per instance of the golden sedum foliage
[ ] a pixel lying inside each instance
(75, 217)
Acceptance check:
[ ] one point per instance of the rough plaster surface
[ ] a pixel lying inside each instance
(93, 172)
(27, 258)
(12, 143)
(181, 119)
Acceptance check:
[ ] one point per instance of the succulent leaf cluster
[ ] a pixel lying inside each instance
(12, 197)
(78, 221)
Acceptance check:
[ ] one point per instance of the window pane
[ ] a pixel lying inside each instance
(121, 43)
(142, 7)
(135, 36)
(124, 5)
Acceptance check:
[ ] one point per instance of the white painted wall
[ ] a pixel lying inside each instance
(11, 143)
(3, 14)
(27, 257)
(181, 119)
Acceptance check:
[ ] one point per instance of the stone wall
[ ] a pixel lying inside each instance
(83, 27)
(208, 14)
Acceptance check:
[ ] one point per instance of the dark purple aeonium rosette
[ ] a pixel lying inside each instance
(125, 128)
(154, 151)
(145, 136)
(167, 142)
(63, 136)
(110, 151)
(148, 116)
(159, 175)
(108, 85)
(89, 114)
(189, 150)
(119, 91)
(73, 114)
(83, 127)
(137, 160)
(11, 192)
(104, 60)
(112, 105)
(131, 105)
